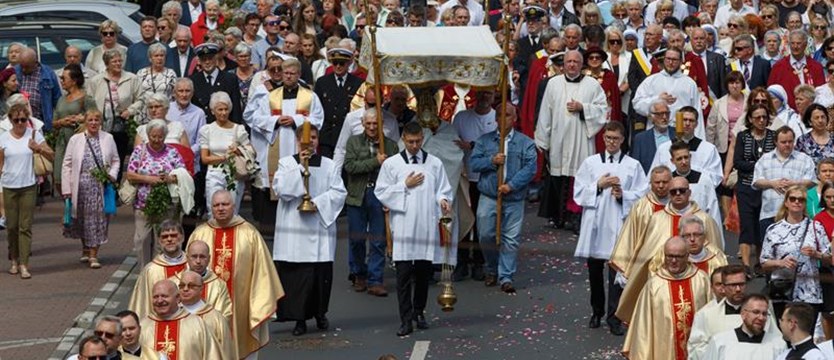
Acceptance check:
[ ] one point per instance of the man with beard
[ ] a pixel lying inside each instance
(754, 339)
(165, 265)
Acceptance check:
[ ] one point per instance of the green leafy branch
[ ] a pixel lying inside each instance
(157, 204)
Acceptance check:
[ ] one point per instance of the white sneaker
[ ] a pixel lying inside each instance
(3, 223)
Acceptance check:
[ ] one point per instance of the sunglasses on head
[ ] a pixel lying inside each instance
(108, 33)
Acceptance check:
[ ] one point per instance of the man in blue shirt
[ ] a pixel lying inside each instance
(137, 54)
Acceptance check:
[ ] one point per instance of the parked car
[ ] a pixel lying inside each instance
(126, 14)
(51, 38)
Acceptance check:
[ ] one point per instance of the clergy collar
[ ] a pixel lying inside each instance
(132, 351)
(576, 79)
(672, 74)
(682, 211)
(699, 256)
(606, 157)
(421, 156)
(803, 344)
(174, 260)
(315, 160)
(195, 307)
(744, 336)
(290, 92)
(730, 309)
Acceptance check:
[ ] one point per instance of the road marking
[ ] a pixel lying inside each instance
(420, 350)
(11, 344)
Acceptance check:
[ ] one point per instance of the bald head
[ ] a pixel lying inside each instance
(191, 287)
(679, 192)
(198, 256)
(28, 60)
(573, 63)
(165, 298)
(676, 255)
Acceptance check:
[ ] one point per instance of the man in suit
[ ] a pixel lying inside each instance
(528, 46)
(755, 69)
(191, 11)
(714, 63)
(335, 90)
(211, 80)
(638, 70)
(645, 143)
(180, 56)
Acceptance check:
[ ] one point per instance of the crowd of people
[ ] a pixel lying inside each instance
(647, 129)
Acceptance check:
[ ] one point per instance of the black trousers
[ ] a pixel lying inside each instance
(554, 200)
(414, 274)
(263, 209)
(749, 207)
(596, 268)
(307, 287)
(469, 250)
(124, 146)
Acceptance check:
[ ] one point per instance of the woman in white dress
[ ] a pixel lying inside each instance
(157, 109)
(219, 141)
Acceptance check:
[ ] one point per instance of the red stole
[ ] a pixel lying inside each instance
(450, 101)
(172, 270)
(683, 312)
(694, 68)
(703, 266)
(657, 207)
(676, 219)
(224, 257)
(527, 112)
(167, 337)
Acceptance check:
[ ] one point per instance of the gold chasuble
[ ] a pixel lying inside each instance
(710, 262)
(242, 261)
(303, 103)
(662, 225)
(220, 329)
(663, 317)
(214, 293)
(631, 234)
(158, 269)
(182, 337)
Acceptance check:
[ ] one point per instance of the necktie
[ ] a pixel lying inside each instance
(746, 71)
(208, 80)
(340, 81)
(611, 159)
(413, 159)
(534, 39)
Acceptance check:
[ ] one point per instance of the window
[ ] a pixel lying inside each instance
(51, 55)
(63, 15)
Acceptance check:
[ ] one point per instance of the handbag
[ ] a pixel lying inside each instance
(119, 122)
(67, 213)
(109, 192)
(246, 164)
(127, 192)
(780, 288)
(43, 166)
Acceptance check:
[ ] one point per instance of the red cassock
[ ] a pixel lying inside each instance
(609, 84)
(784, 74)
(698, 73)
(450, 102)
(527, 115)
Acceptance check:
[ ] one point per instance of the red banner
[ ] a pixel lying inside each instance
(683, 312)
(167, 338)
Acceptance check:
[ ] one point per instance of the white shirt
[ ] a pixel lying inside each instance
(183, 62)
(722, 15)
(18, 164)
(195, 11)
(471, 126)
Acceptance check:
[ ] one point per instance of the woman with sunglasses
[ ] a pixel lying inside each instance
(770, 19)
(750, 145)
(109, 31)
(17, 149)
(793, 248)
(271, 77)
(818, 33)
(618, 62)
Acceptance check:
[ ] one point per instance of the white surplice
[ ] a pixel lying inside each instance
(682, 87)
(258, 116)
(307, 237)
(712, 320)
(566, 138)
(704, 160)
(602, 214)
(353, 126)
(415, 212)
(725, 345)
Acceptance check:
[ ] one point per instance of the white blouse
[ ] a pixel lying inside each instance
(217, 140)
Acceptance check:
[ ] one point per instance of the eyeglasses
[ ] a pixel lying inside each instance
(97, 357)
(794, 199)
(735, 285)
(594, 57)
(676, 257)
(692, 235)
(184, 286)
(161, 27)
(339, 63)
(273, 23)
(104, 334)
(760, 101)
(615, 42)
(760, 117)
(671, 59)
(108, 33)
(662, 113)
(613, 138)
(768, 16)
(370, 105)
(360, 27)
(275, 70)
(19, 120)
(391, 21)
(732, 26)
(678, 191)
(741, 48)
(284, 27)
(820, 27)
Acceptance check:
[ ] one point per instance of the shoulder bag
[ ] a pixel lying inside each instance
(43, 166)
(109, 191)
(127, 192)
(781, 288)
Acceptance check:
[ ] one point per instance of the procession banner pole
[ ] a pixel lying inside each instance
(502, 86)
(379, 117)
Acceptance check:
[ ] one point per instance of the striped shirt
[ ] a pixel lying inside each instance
(747, 153)
(797, 166)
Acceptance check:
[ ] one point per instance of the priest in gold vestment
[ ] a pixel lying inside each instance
(706, 259)
(242, 260)
(191, 285)
(165, 265)
(172, 331)
(663, 225)
(214, 289)
(631, 235)
(666, 307)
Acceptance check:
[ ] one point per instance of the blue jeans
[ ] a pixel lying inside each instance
(511, 219)
(367, 223)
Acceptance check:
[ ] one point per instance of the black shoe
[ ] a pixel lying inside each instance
(461, 272)
(508, 288)
(595, 321)
(617, 329)
(405, 329)
(490, 280)
(322, 323)
(478, 272)
(422, 324)
(300, 328)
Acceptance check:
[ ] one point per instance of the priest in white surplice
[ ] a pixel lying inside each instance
(754, 338)
(305, 242)
(705, 158)
(703, 190)
(413, 185)
(717, 317)
(606, 187)
(673, 86)
(574, 108)
(273, 117)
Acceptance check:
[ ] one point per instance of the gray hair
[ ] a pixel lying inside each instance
(184, 80)
(548, 34)
(169, 225)
(635, 2)
(613, 30)
(242, 49)
(111, 319)
(657, 102)
(157, 124)
(745, 38)
(691, 219)
(157, 98)
(234, 31)
(574, 27)
(798, 32)
(172, 5)
(212, 2)
(660, 169)
(112, 24)
(18, 100)
(776, 34)
(157, 48)
(183, 30)
(268, 2)
(369, 113)
(110, 54)
(348, 43)
(218, 98)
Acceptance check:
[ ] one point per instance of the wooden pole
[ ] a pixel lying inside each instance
(502, 87)
(379, 117)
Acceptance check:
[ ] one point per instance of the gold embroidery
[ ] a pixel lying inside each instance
(682, 310)
(223, 255)
(168, 346)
